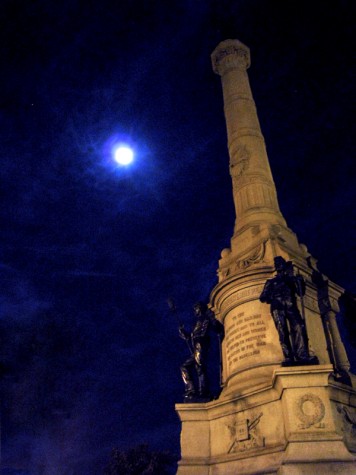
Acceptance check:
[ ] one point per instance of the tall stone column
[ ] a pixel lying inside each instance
(251, 349)
(268, 419)
(254, 191)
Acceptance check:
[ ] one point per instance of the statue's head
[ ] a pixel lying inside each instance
(280, 263)
(199, 308)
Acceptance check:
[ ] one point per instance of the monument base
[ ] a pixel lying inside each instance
(303, 422)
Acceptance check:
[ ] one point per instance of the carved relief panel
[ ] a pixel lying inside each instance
(307, 410)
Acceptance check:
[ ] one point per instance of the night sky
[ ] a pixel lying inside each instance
(91, 251)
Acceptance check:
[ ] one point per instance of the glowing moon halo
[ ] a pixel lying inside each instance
(123, 155)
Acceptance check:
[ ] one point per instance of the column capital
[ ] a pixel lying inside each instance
(228, 55)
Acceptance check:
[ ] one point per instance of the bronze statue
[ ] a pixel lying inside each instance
(281, 292)
(193, 370)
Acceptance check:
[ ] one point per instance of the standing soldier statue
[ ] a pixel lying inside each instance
(280, 292)
(194, 369)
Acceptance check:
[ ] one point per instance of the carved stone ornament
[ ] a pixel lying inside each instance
(254, 257)
(241, 162)
(310, 410)
(230, 54)
(225, 273)
(244, 435)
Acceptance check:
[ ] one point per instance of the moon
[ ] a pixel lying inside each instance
(123, 155)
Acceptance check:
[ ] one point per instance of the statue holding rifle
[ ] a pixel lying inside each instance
(194, 369)
(280, 292)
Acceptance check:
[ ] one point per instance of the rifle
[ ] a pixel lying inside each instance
(299, 278)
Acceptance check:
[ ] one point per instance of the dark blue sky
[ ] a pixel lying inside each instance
(90, 252)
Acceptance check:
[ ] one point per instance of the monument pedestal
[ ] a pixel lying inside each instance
(293, 426)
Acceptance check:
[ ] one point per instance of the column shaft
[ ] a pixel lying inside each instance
(254, 191)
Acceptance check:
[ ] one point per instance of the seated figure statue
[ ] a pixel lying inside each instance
(280, 292)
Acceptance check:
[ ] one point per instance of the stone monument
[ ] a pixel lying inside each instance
(270, 417)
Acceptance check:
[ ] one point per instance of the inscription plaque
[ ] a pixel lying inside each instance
(245, 336)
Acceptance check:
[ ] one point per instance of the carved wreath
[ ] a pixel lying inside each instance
(310, 419)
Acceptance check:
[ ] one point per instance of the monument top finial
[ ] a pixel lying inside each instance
(230, 54)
